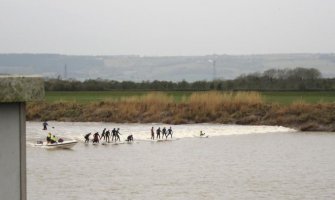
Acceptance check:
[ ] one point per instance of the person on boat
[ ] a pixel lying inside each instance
(113, 134)
(158, 133)
(103, 134)
(107, 135)
(202, 134)
(117, 135)
(152, 133)
(53, 139)
(170, 132)
(164, 132)
(96, 137)
(60, 140)
(45, 124)
(87, 137)
(130, 138)
(49, 138)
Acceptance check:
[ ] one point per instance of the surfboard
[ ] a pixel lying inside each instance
(205, 136)
(166, 140)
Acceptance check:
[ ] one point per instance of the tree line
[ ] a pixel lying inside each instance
(301, 79)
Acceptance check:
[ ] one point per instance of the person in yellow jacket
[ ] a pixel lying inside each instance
(53, 139)
(49, 138)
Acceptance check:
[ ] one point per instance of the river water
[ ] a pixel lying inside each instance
(235, 162)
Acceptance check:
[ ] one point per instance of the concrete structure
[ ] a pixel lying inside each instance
(14, 92)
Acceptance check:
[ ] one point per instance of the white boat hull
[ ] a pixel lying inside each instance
(61, 145)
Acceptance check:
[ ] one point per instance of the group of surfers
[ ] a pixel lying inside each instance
(105, 135)
(165, 132)
(115, 134)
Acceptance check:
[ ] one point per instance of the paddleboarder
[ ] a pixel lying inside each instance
(45, 124)
(103, 134)
(158, 133)
(96, 137)
(107, 136)
(170, 132)
(113, 134)
(87, 137)
(164, 133)
(117, 135)
(152, 133)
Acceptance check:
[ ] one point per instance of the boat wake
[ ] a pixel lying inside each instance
(141, 132)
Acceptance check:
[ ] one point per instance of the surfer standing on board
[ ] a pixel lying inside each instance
(45, 124)
(158, 132)
(113, 134)
(87, 137)
(96, 137)
(107, 136)
(169, 132)
(152, 133)
(103, 134)
(164, 132)
(117, 134)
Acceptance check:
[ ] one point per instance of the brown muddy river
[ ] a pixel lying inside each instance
(235, 162)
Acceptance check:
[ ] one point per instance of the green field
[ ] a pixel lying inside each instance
(273, 97)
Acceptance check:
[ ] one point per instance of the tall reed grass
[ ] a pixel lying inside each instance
(199, 107)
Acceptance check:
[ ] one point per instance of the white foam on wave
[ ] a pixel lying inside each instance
(76, 130)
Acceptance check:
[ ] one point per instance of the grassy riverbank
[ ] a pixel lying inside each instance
(284, 98)
(178, 108)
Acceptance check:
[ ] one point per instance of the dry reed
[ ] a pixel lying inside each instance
(199, 107)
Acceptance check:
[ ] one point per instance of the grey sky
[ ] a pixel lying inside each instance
(167, 27)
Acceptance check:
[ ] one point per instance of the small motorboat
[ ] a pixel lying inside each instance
(62, 145)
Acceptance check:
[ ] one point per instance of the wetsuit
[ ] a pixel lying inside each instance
(45, 124)
(163, 132)
(87, 138)
(103, 134)
(117, 135)
(152, 133)
(158, 132)
(107, 136)
(169, 132)
(130, 138)
(113, 134)
(96, 137)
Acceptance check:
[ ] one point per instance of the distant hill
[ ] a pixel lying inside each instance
(174, 68)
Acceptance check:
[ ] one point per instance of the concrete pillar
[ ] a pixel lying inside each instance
(14, 92)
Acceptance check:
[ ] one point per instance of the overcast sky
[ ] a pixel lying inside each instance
(167, 27)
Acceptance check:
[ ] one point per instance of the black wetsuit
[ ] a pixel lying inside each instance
(103, 134)
(107, 136)
(169, 132)
(96, 137)
(158, 132)
(87, 138)
(45, 124)
(152, 133)
(163, 132)
(113, 134)
(117, 135)
(130, 138)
